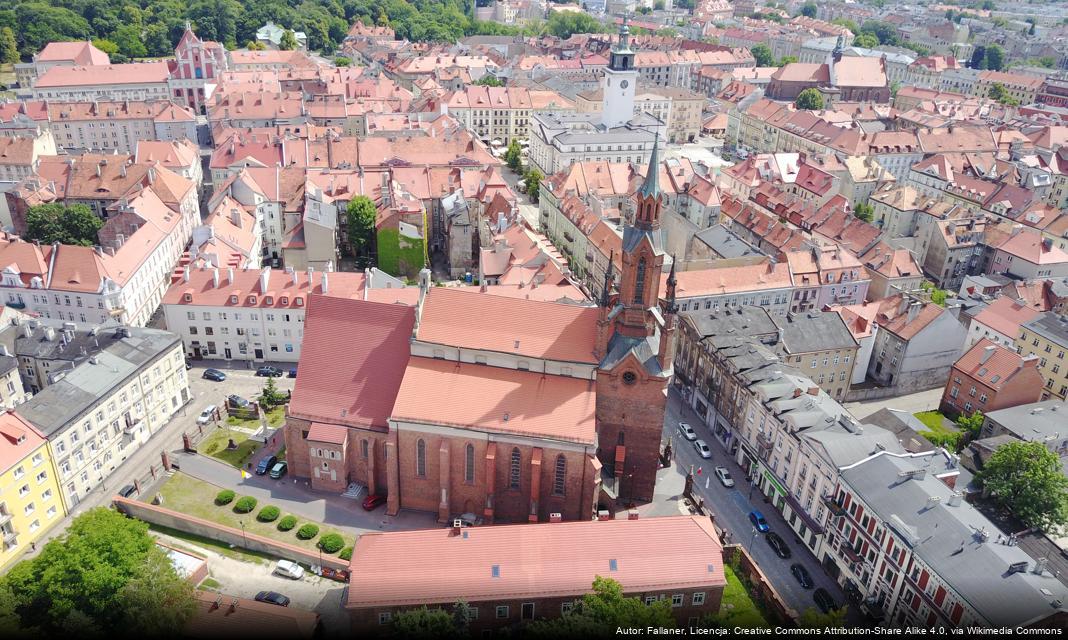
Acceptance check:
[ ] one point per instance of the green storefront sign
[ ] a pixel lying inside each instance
(775, 483)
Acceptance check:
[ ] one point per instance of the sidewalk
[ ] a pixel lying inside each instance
(294, 495)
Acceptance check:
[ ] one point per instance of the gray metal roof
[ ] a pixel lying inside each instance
(1035, 421)
(950, 539)
(1050, 326)
(814, 331)
(66, 400)
(728, 245)
(748, 322)
(644, 349)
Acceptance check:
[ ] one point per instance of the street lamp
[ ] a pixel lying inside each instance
(751, 541)
(244, 540)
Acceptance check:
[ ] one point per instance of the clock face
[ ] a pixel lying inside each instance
(624, 84)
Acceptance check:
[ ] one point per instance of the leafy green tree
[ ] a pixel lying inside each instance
(271, 396)
(9, 48)
(342, 61)
(644, 11)
(809, 10)
(995, 58)
(533, 180)
(866, 41)
(489, 80)
(288, 41)
(605, 608)
(763, 55)
(425, 624)
(107, 46)
(848, 24)
(130, 41)
(158, 40)
(972, 424)
(659, 5)
(157, 602)
(978, 60)
(38, 24)
(563, 24)
(462, 615)
(999, 93)
(785, 60)
(255, 45)
(513, 157)
(361, 217)
(1026, 479)
(84, 581)
(810, 99)
(813, 618)
(50, 223)
(864, 211)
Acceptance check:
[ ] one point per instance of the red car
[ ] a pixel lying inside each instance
(372, 502)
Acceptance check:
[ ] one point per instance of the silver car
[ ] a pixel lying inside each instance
(687, 431)
(724, 477)
(702, 449)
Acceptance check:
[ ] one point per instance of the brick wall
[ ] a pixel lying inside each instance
(638, 411)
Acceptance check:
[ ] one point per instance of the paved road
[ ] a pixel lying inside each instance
(526, 208)
(732, 506)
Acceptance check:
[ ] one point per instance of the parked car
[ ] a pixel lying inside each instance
(269, 372)
(824, 600)
(702, 449)
(289, 569)
(373, 501)
(188, 365)
(214, 375)
(293, 372)
(237, 401)
(279, 470)
(759, 522)
(778, 545)
(687, 431)
(266, 465)
(724, 477)
(207, 415)
(127, 491)
(272, 597)
(802, 575)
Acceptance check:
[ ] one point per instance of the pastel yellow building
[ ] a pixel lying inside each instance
(30, 502)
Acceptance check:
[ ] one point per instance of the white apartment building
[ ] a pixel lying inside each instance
(501, 113)
(100, 412)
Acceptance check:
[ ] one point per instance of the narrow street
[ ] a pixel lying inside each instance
(731, 508)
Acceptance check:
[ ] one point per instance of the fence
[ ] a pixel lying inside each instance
(164, 517)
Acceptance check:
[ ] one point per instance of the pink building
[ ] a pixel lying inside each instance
(198, 64)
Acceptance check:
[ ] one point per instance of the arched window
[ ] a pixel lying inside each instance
(420, 459)
(513, 475)
(561, 475)
(469, 459)
(639, 282)
(364, 448)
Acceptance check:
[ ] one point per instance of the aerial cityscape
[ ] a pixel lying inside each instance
(533, 318)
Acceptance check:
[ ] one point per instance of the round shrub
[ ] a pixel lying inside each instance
(331, 543)
(308, 531)
(287, 523)
(225, 496)
(269, 513)
(346, 553)
(245, 504)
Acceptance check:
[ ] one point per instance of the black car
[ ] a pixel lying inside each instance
(237, 401)
(802, 575)
(778, 545)
(824, 600)
(293, 372)
(269, 372)
(214, 374)
(265, 465)
(127, 491)
(272, 597)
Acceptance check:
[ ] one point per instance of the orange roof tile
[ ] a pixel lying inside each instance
(1006, 315)
(18, 439)
(994, 365)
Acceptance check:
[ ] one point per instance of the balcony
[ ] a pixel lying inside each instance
(764, 441)
(11, 538)
(5, 518)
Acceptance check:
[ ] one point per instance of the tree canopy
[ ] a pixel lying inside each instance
(605, 608)
(361, 217)
(809, 99)
(1026, 479)
(106, 575)
(50, 223)
(763, 55)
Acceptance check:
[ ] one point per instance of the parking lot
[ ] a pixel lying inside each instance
(240, 380)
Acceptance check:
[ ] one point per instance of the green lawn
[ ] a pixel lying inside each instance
(197, 498)
(216, 442)
(275, 417)
(209, 583)
(939, 429)
(737, 608)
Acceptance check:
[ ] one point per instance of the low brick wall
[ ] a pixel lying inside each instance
(164, 517)
(762, 589)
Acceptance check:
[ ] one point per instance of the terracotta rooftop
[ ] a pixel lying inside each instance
(533, 561)
(112, 74)
(18, 439)
(735, 279)
(80, 53)
(509, 325)
(348, 381)
(1032, 247)
(893, 318)
(1005, 315)
(994, 365)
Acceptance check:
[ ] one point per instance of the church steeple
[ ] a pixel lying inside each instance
(648, 197)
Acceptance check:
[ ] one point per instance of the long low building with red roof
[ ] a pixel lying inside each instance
(510, 574)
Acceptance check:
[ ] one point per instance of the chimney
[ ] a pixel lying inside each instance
(230, 276)
(296, 278)
(914, 310)
(215, 277)
(1016, 228)
(185, 273)
(27, 330)
(265, 278)
(311, 274)
(50, 334)
(987, 352)
(235, 217)
(931, 502)
(457, 526)
(325, 287)
(954, 500)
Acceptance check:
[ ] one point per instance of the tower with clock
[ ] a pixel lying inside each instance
(620, 77)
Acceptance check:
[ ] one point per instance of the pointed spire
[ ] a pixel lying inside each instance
(606, 291)
(651, 185)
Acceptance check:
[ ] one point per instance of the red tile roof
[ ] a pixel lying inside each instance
(18, 439)
(509, 325)
(203, 292)
(354, 356)
(1005, 316)
(132, 73)
(327, 433)
(553, 560)
(994, 365)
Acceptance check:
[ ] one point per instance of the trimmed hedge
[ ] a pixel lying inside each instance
(225, 496)
(245, 504)
(269, 513)
(308, 531)
(346, 553)
(332, 543)
(287, 523)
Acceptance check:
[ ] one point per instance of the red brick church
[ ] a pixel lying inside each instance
(506, 407)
